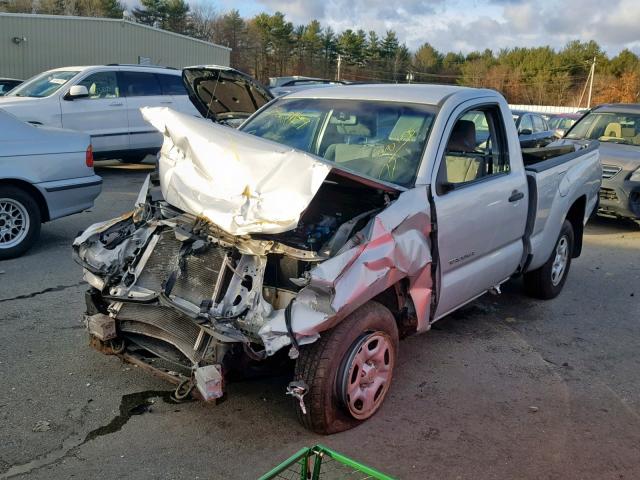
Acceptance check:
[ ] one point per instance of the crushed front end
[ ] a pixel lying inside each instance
(174, 292)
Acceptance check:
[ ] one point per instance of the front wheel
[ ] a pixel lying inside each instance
(348, 371)
(19, 221)
(547, 281)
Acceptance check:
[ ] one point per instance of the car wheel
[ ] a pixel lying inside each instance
(19, 221)
(547, 281)
(348, 371)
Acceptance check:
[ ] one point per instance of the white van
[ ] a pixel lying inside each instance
(103, 101)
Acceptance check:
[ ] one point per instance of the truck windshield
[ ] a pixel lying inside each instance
(608, 127)
(44, 84)
(382, 140)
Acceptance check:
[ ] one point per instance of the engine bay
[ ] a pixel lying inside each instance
(181, 290)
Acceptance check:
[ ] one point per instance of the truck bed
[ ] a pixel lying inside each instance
(543, 158)
(552, 176)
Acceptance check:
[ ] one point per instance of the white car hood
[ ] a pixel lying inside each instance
(242, 183)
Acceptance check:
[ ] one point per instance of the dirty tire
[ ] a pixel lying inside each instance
(320, 366)
(20, 208)
(539, 283)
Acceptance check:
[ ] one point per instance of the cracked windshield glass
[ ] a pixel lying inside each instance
(382, 140)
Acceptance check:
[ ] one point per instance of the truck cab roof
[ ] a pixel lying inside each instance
(406, 93)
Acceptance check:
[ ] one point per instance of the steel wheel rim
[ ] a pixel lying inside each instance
(14, 222)
(560, 261)
(367, 374)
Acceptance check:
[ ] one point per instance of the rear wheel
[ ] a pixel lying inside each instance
(547, 281)
(348, 371)
(19, 221)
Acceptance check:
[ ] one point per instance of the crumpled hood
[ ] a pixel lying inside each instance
(242, 183)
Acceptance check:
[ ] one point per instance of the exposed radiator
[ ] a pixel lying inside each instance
(162, 261)
(162, 323)
(197, 273)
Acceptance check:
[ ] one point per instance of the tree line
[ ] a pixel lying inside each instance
(269, 45)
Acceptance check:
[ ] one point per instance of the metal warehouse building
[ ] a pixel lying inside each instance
(30, 44)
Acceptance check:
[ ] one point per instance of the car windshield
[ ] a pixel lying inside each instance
(608, 127)
(382, 140)
(44, 84)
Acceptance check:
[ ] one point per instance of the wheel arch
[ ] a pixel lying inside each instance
(575, 216)
(396, 299)
(31, 190)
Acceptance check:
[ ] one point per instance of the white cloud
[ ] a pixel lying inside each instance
(452, 25)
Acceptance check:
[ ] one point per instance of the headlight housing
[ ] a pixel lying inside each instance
(635, 176)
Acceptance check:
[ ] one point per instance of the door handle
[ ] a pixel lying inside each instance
(515, 196)
(167, 102)
(116, 104)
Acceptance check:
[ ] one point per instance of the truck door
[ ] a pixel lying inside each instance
(481, 205)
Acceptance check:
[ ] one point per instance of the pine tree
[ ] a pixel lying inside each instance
(111, 8)
(152, 12)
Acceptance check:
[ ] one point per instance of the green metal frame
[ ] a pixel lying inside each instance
(316, 453)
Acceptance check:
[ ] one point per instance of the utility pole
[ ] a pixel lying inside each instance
(592, 74)
(339, 67)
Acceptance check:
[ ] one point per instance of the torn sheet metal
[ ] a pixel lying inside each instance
(242, 183)
(104, 247)
(393, 246)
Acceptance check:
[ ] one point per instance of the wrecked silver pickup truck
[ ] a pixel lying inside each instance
(332, 223)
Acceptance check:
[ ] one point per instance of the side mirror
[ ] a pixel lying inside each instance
(78, 91)
(525, 131)
(559, 132)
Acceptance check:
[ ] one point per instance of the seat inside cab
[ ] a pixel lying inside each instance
(463, 162)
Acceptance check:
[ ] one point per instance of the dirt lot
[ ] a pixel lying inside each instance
(507, 388)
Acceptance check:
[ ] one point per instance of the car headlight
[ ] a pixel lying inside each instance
(635, 176)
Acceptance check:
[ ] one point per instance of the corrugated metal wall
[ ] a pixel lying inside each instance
(57, 41)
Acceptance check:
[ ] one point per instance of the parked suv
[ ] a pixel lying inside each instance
(617, 127)
(103, 101)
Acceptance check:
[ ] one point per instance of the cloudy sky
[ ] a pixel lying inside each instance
(465, 25)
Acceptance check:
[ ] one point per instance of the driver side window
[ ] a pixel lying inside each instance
(476, 148)
(101, 85)
(526, 126)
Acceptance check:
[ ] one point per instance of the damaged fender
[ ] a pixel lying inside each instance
(394, 245)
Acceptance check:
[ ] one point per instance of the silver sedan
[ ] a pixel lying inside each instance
(45, 173)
